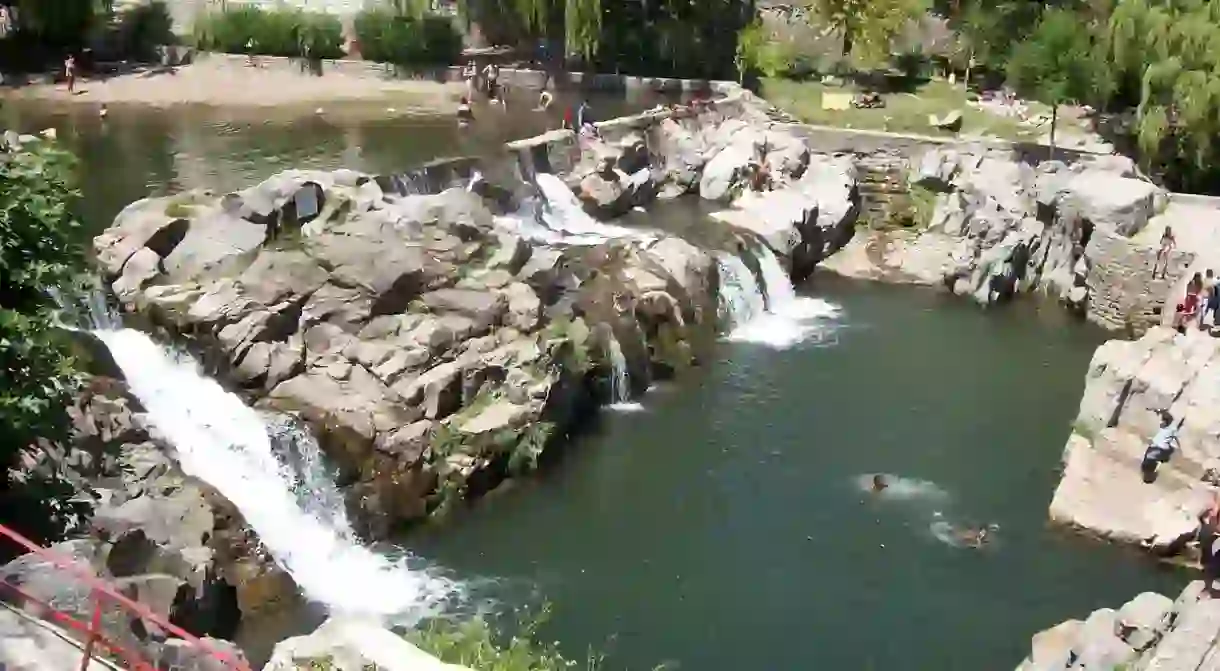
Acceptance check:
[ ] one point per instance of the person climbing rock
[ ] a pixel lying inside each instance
(1162, 447)
(1168, 243)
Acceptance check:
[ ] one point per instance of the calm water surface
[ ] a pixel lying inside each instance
(723, 528)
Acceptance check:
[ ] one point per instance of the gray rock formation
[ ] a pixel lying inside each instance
(1150, 633)
(350, 645)
(1102, 491)
(1000, 226)
(432, 350)
(157, 536)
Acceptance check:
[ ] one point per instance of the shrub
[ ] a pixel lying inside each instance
(474, 644)
(294, 33)
(144, 27)
(388, 36)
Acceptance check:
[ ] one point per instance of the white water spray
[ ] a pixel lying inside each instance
(789, 319)
(741, 299)
(563, 213)
(225, 443)
(620, 379)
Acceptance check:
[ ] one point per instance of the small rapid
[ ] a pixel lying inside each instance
(788, 319)
(620, 379)
(295, 509)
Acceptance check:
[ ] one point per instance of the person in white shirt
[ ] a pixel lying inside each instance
(1162, 447)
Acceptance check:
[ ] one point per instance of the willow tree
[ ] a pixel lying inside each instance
(867, 26)
(1059, 63)
(1172, 49)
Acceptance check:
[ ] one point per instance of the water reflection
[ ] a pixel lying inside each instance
(134, 153)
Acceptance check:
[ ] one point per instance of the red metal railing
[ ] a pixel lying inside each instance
(91, 632)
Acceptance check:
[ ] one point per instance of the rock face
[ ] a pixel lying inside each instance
(805, 214)
(1149, 633)
(159, 537)
(1102, 490)
(347, 645)
(432, 350)
(1000, 226)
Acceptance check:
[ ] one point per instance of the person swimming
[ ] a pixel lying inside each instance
(975, 537)
(879, 482)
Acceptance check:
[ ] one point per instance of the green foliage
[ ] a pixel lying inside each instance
(759, 51)
(1058, 63)
(1170, 53)
(60, 23)
(37, 191)
(444, 442)
(388, 35)
(473, 644)
(282, 31)
(530, 446)
(867, 26)
(144, 27)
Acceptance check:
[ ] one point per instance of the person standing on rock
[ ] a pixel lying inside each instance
(1208, 299)
(1168, 243)
(70, 72)
(1162, 447)
(1209, 544)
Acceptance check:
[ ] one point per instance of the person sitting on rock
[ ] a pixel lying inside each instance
(1160, 449)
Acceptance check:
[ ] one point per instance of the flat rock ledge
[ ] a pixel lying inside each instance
(1101, 491)
(1149, 633)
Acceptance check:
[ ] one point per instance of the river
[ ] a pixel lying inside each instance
(724, 526)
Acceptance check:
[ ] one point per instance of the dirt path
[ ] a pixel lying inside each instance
(225, 85)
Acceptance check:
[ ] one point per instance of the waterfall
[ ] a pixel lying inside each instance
(562, 213)
(300, 519)
(620, 378)
(741, 300)
(787, 319)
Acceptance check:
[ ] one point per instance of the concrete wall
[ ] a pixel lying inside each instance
(1122, 293)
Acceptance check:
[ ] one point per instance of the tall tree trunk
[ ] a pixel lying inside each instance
(848, 39)
(1054, 122)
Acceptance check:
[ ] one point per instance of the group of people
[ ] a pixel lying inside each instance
(1202, 300)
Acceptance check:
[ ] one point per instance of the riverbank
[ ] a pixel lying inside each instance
(218, 82)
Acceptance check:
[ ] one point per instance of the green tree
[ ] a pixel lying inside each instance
(1169, 52)
(1059, 64)
(867, 26)
(37, 250)
(61, 24)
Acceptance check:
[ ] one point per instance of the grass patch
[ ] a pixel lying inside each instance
(475, 645)
(903, 113)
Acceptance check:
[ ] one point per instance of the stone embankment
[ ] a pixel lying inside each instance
(435, 342)
(1149, 633)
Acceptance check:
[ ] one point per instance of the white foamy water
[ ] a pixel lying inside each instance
(788, 319)
(899, 488)
(620, 379)
(741, 299)
(564, 214)
(299, 519)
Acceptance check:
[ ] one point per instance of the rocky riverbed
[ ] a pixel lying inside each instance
(439, 342)
(436, 343)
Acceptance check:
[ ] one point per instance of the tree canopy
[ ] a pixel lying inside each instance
(37, 250)
(866, 26)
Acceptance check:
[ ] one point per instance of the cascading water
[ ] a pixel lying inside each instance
(787, 319)
(299, 518)
(741, 299)
(563, 213)
(620, 378)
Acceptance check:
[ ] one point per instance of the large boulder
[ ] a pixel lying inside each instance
(1102, 490)
(1150, 633)
(352, 645)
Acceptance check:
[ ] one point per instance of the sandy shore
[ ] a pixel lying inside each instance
(223, 85)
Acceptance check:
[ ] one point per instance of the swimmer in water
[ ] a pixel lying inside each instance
(976, 537)
(879, 483)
